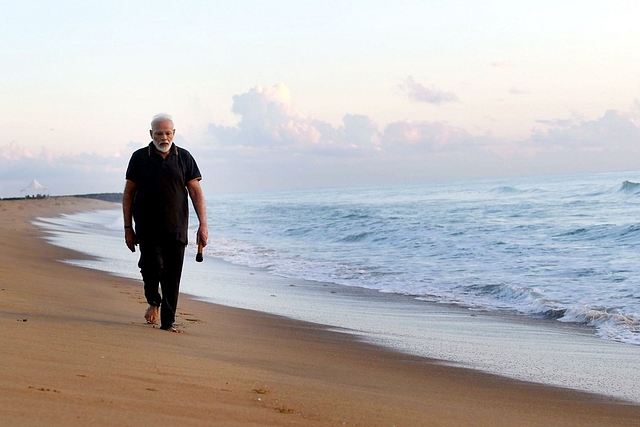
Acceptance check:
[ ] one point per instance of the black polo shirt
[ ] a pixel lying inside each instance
(160, 205)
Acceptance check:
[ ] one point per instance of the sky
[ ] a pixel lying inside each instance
(287, 94)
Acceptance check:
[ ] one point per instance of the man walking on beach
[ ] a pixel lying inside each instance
(159, 178)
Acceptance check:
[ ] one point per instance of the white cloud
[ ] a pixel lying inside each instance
(576, 145)
(614, 130)
(269, 121)
(417, 92)
(13, 152)
(355, 152)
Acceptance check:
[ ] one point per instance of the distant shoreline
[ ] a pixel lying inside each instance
(106, 197)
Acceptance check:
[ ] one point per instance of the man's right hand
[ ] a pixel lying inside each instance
(130, 239)
(127, 206)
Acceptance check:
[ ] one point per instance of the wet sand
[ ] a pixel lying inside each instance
(75, 350)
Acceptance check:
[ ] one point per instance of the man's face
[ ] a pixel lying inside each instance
(162, 135)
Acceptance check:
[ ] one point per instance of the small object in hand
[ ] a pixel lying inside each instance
(199, 255)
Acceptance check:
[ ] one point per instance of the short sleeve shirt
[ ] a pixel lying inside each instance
(160, 205)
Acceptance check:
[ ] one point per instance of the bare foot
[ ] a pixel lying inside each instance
(151, 315)
(174, 330)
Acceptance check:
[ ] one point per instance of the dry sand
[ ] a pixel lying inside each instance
(75, 351)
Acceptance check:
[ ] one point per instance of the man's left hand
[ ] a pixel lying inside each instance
(202, 236)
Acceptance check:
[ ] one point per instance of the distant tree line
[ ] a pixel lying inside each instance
(107, 197)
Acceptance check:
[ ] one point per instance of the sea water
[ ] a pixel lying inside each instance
(562, 248)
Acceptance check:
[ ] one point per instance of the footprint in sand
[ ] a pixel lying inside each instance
(191, 319)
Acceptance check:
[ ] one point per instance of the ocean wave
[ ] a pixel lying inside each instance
(505, 190)
(354, 215)
(610, 323)
(521, 299)
(603, 234)
(575, 232)
(612, 326)
(352, 238)
(509, 190)
(630, 187)
(298, 231)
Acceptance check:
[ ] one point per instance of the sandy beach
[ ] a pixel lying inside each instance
(76, 351)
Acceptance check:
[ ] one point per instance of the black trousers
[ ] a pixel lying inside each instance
(161, 264)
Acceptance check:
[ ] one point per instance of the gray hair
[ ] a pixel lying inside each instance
(159, 118)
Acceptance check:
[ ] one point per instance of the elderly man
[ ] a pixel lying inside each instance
(159, 177)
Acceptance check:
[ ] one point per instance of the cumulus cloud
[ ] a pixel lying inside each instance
(417, 92)
(269, 121)
(262, 151)
(270, 125)
(268, 118)
(576, 145)
(13, 152)
(614, 130)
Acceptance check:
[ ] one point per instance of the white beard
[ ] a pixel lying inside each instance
(160, 148)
